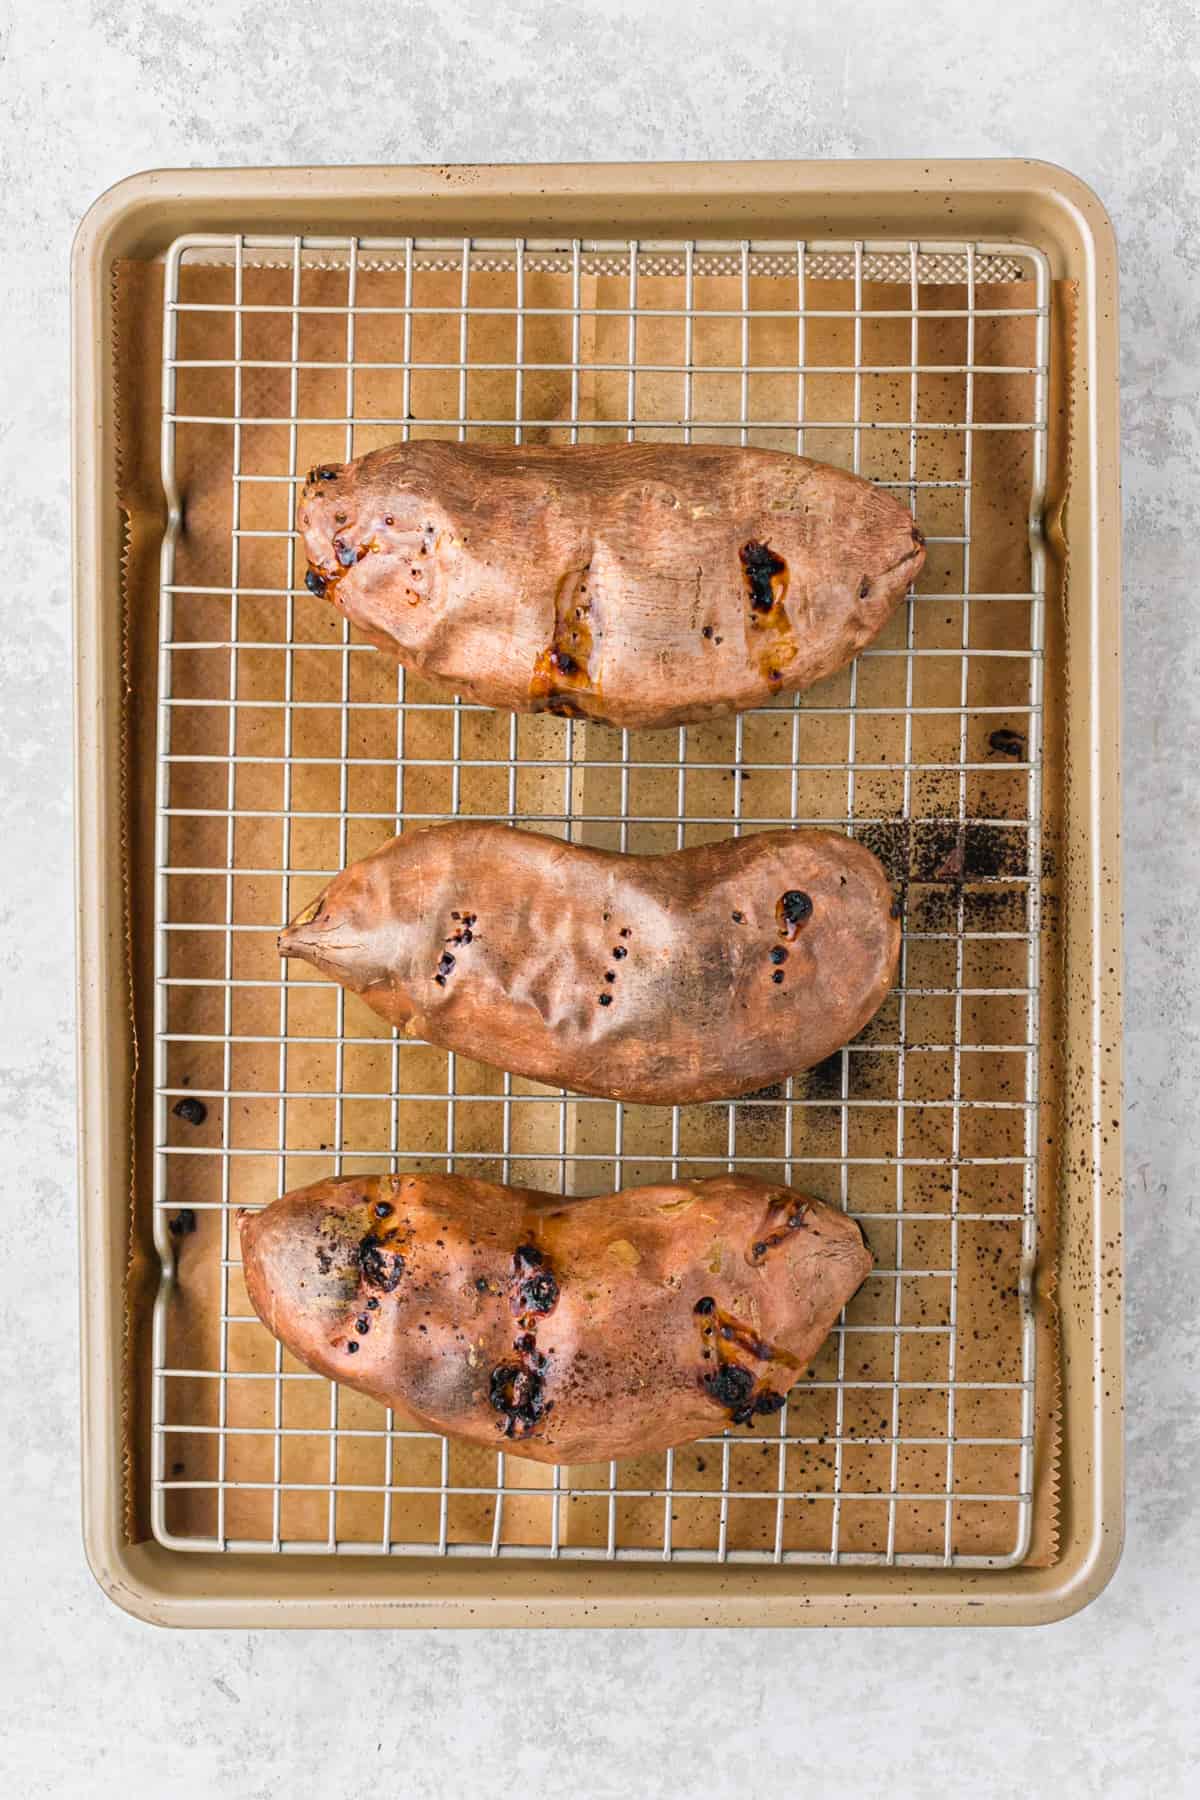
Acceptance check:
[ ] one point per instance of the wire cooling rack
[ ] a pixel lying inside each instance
(287, 749)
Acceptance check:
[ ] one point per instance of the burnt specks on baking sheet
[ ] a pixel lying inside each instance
(937, 850)
(1007, 743)
(824, 1080)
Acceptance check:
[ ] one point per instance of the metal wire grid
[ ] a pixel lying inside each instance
(417, 1466)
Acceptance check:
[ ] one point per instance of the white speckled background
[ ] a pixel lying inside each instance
(92, 1703)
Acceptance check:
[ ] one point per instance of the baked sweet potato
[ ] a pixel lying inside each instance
(563, 1330)
(638, 584)
(696, 975)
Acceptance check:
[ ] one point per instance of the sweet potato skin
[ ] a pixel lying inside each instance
(635, 584)
(561, 1330)
(660, 979)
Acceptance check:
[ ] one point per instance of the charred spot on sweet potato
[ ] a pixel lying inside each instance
(324, 1260)
(566, 664)
(619, 951)
(705, 1306)
(734, 1341)
(517, 1391)
(730, 1385)
(777, 977)
(778, 953)
(762, 1247)
(534, 1288)
(316, 583)
(537, 1293)
(734, 1332)
(373, 1262)
(383, 1209)
(362, 1325)
(765, 1403)
(762, 570)
(792, 910)
(444, 968)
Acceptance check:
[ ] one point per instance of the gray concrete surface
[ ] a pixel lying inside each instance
(95, 1704)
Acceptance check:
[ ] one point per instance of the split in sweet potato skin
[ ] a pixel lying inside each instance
(560, 1330)
(696, 975)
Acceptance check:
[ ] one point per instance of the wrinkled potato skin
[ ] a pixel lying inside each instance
(656, 1315)
(635, 584)
(640, 978)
